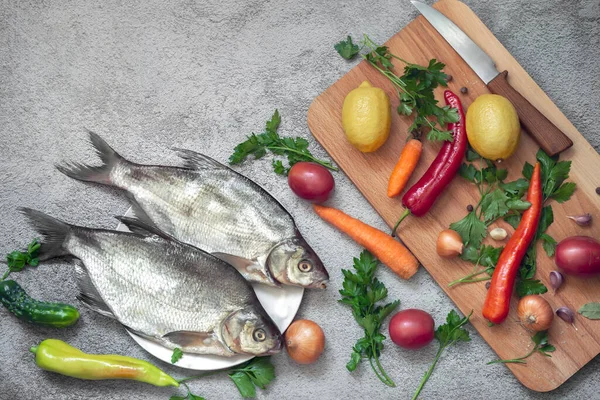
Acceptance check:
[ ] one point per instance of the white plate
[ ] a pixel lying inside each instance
(280, 303)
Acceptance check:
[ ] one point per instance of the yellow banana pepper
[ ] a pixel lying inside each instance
(57, 356)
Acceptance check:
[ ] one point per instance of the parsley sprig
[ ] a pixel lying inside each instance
(414, 87)
(504, 200)
(176, 356)
(258, 372)
(17, 260)
(257, 145)
(541, 345)
(362, 291)
(447, 334)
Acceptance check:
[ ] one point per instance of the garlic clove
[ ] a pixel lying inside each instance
(567, 315)
(581, 220)
(556, 280)
(498, 234)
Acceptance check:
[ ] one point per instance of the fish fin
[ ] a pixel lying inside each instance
(198, 342)
(88, 294)
(140, 227)
(54, 231)
(145, 221)
(197, 161)
(101, 174)
(249, 269)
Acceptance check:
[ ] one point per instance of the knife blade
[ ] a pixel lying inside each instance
(551, 139)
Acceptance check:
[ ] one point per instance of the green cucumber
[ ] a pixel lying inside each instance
(44, 313)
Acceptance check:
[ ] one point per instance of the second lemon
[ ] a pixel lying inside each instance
(493, 127)
(366, 117)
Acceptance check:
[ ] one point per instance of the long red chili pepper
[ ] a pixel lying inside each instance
(421, 196)
(497, 301)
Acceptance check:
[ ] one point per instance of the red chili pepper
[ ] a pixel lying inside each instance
(497, 301)
(421, 196)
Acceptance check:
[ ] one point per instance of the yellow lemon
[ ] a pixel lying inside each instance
(366, 117)
(493, 127)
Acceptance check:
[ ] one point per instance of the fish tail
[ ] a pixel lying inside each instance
(54, 231)
(100, 174)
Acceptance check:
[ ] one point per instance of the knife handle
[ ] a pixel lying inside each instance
(551, 139)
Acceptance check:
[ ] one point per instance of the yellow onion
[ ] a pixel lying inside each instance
(304, 341)
(449, 243)
(535, 313)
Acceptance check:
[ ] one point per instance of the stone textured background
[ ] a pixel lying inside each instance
(149, 75)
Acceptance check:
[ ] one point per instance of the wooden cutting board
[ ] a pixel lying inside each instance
(418, 43)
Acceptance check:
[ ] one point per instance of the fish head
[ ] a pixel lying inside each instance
(294, 262)
(249, 332)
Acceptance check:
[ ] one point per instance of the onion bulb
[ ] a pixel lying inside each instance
(535, 313)
(305, 341)
(449, 243)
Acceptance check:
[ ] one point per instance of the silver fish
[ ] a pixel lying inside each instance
(210, 206)
(169, 292)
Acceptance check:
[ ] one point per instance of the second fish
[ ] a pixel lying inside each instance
(210, 206)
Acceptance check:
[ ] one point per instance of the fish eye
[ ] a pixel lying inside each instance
(259, 335)
(305, 266)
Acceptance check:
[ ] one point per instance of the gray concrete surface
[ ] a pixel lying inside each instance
(154, 74)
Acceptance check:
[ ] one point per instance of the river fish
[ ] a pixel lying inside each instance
(166, 291)
(210, 206)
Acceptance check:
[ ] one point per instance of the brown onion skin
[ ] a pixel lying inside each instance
(578, 255)
(535, 313)
(305, 341)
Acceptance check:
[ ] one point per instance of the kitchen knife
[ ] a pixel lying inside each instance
(551, 139)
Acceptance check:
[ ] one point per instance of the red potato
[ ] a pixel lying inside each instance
(578, 255)
(311, 181)
(412, 328)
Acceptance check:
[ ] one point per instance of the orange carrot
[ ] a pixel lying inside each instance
(387, 249)
(404, 167)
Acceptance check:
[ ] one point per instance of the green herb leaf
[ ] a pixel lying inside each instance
(590, 310)
(257, 372)
(176, 356)
(346, 48)
(178, 398)
(17, 260)
(472, 155)
(279, 168)
(546, 219)
(355, 358)
(564, 192)
(528, 266)
(516, 189)
(468, 171)
(530, 286)
(244, 384)
(471, 229)
(439, 135)
(540, 338)
(546, 163)
(547, 348)
(518, 204)
(549, 244)
(493, 206)
(489, 256)
(513, 220)
(527, 171)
